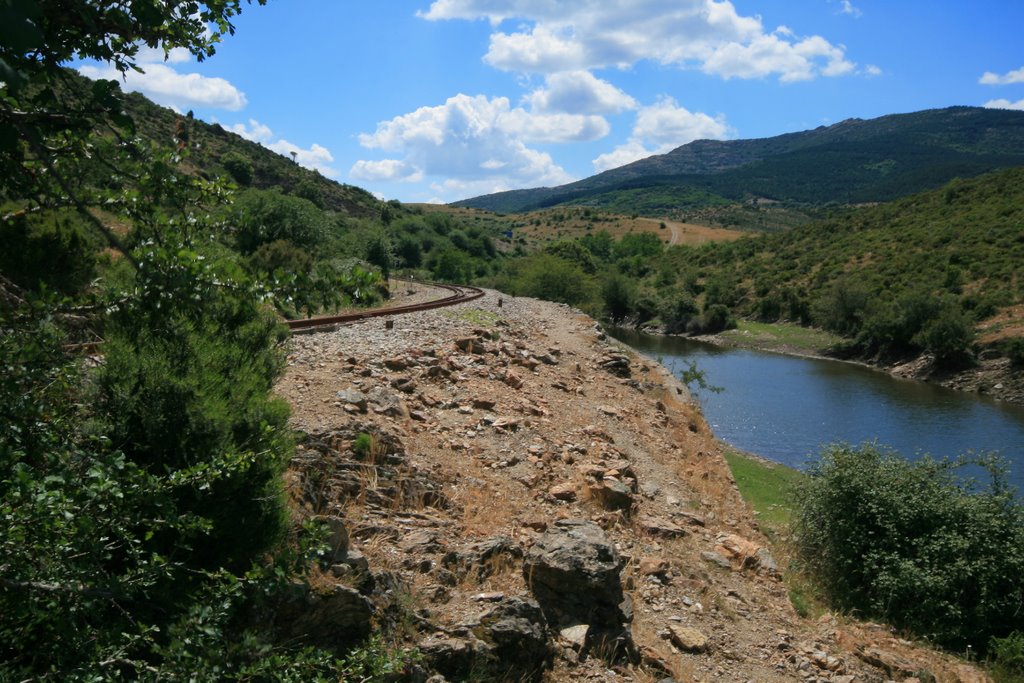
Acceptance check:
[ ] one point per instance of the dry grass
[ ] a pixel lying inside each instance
(485, 510)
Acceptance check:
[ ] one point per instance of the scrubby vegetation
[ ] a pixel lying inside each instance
(144, 524)
(145, 527)
(916, 544)
(919, 275)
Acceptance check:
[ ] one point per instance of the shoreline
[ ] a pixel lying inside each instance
(993, 378)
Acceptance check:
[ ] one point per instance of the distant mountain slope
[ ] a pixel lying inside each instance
(852, 161)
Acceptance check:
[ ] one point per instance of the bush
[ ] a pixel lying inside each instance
(263, 216)
(451, 265)
(717, 318)
(1014, 350)
(239, 166)
(949, 336)
(1008, 658)
(914, 544)
(678, 312)
(552, 278)
(55, 251)
(280, 255)
(574, 251)
(186, 384)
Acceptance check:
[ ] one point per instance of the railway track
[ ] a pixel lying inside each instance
(457, 294)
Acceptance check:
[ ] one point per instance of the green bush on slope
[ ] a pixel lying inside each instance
(911, 543)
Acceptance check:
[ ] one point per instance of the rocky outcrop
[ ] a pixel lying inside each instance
(508, 642)
(332, 616)
(575, 574)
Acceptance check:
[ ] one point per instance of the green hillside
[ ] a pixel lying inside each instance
(882, 276)
(214, 150)
(147, 532)
(850, 162)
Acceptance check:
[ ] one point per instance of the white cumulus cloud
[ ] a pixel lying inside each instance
(990, 78)
(776, 54)
(660, 128)
(554, 37)
(579, 92)
(1005, 104)
(385, 169)
(316, 157)
(474, 145)
(847, 7)
(167, 86)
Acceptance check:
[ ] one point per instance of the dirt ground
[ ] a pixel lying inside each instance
(498, 417)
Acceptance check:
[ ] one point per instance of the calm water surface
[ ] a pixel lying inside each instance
(786, 408)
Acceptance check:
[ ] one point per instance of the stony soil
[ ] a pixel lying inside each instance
(492, 420)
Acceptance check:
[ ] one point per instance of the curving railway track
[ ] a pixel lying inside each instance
(458, 294)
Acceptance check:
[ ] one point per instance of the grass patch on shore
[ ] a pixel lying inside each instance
(781, 337)
(767, 488)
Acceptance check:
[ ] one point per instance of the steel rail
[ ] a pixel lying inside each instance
(459, 294)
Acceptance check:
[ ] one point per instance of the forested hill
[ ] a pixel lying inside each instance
(850, 162)
(215, 150)
(929, 271)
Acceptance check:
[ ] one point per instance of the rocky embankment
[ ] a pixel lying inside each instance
(519, 498)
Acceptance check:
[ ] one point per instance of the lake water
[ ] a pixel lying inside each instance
(785, 408)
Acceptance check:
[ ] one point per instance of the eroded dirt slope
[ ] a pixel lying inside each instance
(451, 443)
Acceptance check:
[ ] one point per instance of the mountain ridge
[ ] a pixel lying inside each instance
(910, 152)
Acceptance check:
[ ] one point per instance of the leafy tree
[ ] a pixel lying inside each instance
(409, 251)
(915, 543)
(39, 100)
(841, 308)
(451, 265)
(140, 500)
(310, 190)
(263, 216)
(600, 244)
(573, 250)
(552, 278)
(239, 166)
(645, 244)
(721, 289)
(678, 311)
(618, 296)
(949, 336)
(378, 253)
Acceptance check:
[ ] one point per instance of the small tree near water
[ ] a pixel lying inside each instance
(916, 544)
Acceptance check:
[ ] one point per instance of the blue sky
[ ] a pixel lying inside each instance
(423, 100)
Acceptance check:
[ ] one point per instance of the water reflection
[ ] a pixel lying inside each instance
(786, 408)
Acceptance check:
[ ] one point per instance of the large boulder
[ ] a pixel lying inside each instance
(516, 632)
(508, 642)
(333, 616)
(574, 572)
